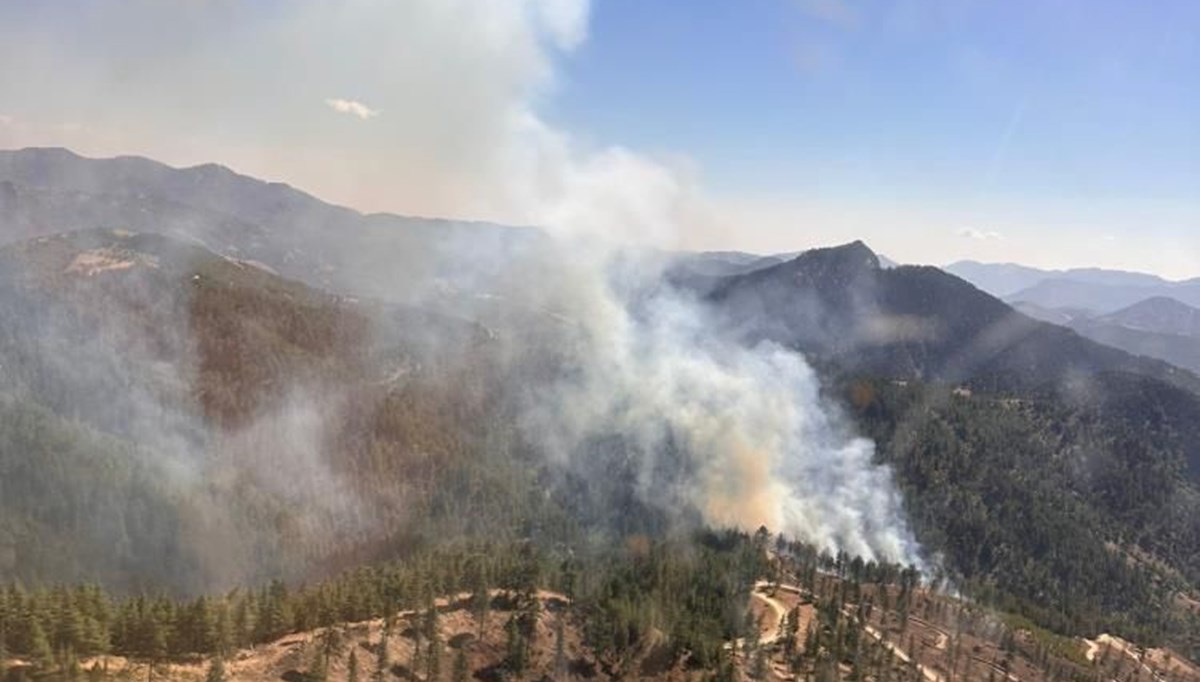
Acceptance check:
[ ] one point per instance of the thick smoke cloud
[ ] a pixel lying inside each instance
(758, 446)
(738, 435)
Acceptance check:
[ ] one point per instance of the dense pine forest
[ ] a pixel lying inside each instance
(677, 609)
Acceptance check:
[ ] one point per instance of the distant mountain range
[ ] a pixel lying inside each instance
(1157, 327)
(1139, 313)
(1095, 290)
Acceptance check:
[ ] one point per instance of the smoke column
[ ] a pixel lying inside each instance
(451, 91)
(758, 446)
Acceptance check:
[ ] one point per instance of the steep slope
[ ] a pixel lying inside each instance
(838, 305)
(1050, 409)
(1176, 349)
(233, 424)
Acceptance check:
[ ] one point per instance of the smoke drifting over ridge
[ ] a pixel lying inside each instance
(758, 445)
(736, 436)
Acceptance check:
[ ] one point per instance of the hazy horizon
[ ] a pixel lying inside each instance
(1053, 136)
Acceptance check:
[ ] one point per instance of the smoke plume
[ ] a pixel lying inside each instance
(737, 436)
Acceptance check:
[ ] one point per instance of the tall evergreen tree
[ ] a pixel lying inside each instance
(433, 657)
(560, 651)
(216, 670)
(382, 661)
(39, 646)
(516, 650)
(3, 649)
(461, 669)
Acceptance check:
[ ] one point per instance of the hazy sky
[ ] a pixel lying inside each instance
(1050, 132)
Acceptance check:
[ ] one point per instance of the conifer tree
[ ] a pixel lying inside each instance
(216, 670)
(515, 647)
(382, 662)
(3, 649)
(758, 664)
(481, 600)
(461, 669)
(39, 646)
(433, 657)
(560, 652)
(318, 666)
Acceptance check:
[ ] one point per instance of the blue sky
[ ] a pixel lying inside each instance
(1085, 112)
(1049, 132)
(1038, 98)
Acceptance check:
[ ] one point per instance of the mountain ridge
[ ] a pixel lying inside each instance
(908, 321)
(296, 414)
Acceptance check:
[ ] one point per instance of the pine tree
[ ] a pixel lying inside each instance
(155, 643)
(94, 638)
(725, 671)
(753, 634)
(216, 670)
(331, 644)
(812, 641)
(382, 663)
(481, 599)
(318, 667)
(276, 616)
(433, 656)
(39, 647)
(758, 665)
(427, 634)
(560, 651)
(515, 648)
(245, 620)
(224, 633)
(461, 667)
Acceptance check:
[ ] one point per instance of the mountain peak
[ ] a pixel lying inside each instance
(847, 261)
(1159, 303)
(1161, 314)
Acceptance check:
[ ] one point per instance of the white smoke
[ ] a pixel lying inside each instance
(462, 82)
(760, 447)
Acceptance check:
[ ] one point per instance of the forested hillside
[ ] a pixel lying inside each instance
(176, 423)
(173, 416)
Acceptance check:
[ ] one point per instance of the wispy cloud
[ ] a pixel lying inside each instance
(980, 235)
(838, 12)
(352, 107)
